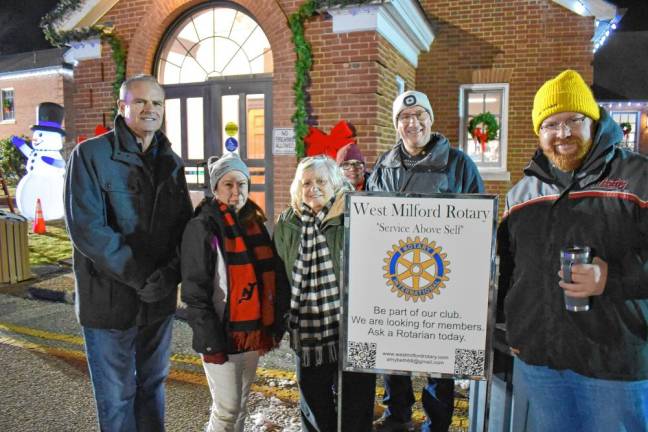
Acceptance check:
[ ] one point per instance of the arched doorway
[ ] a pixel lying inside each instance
(215, 64)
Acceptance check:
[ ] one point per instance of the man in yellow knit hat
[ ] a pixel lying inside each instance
(579, 331)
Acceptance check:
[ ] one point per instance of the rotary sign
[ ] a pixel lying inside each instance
(417, 299)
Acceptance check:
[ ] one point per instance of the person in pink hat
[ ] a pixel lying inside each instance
(352, 162)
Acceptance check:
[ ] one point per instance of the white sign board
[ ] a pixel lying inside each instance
(283, 141)
(418, 278)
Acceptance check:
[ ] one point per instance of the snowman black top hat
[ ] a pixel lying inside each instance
(50, 116)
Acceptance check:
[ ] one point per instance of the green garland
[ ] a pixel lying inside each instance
(302, 67)
(488, 120)
(304, 63)
(60, 38)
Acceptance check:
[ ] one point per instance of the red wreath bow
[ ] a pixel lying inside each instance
(481, 136)
(318, 142)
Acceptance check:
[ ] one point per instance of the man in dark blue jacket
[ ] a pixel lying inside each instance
(421, 162)
(126, 206)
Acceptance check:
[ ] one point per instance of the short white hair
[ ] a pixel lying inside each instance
(126, 85)
(334, 175)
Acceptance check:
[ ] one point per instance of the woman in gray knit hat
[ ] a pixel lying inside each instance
(236, 292)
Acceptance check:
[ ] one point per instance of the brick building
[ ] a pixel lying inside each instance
(27, 79)
(228, 68)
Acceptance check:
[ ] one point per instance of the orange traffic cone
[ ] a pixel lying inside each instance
(39, 222)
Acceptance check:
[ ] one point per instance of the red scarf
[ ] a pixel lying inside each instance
(251, 283)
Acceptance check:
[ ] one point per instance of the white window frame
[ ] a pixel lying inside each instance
(497, 173)
(2, 119)
(636, 127)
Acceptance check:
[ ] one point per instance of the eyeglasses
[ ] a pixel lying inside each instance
(421, 116)
(348, 166)
(570, 124)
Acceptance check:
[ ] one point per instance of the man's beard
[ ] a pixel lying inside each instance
(569, 162)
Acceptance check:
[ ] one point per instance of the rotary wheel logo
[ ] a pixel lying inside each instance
(416, 269)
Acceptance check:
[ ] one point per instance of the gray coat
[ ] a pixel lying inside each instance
(442, 170)
(125, 219)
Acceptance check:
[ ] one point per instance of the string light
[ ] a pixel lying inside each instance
(603, 31)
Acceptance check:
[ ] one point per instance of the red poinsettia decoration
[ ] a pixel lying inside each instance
(318, 142)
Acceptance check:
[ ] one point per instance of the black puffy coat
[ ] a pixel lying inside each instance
(604, 206)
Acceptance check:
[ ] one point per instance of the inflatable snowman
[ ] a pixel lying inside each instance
(45, 165)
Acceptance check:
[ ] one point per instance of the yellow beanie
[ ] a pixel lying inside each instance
(568, 92)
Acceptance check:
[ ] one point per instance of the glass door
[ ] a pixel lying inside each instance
(222, 115)
(184, 125)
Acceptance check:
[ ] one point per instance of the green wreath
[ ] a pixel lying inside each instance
(488, 120)
(626, 127)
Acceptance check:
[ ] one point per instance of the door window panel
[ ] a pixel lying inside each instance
(259, 198)
(204, 23)
(172, 125)
(214, 42)
(195, 132)
(230, 115)
(255, 126)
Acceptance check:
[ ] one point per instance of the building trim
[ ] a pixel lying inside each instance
(31, 73)
(600, 9)
(401, 22)
(88, 14)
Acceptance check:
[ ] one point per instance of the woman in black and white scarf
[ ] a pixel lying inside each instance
(309, 237)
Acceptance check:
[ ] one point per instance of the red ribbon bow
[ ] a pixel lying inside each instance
(318, 142)
(482, 137)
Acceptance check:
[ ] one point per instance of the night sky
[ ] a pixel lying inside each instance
(20, 32)
(635, 18)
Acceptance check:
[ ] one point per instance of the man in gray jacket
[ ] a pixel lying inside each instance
(126, 205)
(421, 162)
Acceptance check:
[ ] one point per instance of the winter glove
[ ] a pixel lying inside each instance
(216, 358)
(159, 285)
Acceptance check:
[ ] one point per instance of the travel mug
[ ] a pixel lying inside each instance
(568, 257)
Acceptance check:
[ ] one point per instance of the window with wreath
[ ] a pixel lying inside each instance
(629, 121)
(484, 124)
(214, 42)
(8, 109)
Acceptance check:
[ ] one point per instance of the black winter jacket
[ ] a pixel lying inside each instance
(125, 222)
(604, 206)
(442, 170)
(199, 276)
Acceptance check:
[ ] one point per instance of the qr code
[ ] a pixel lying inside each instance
(469, 362)
(362, 355)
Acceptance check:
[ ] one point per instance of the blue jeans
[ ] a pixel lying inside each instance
(437, 398)
(128, 369)
(562, 400)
